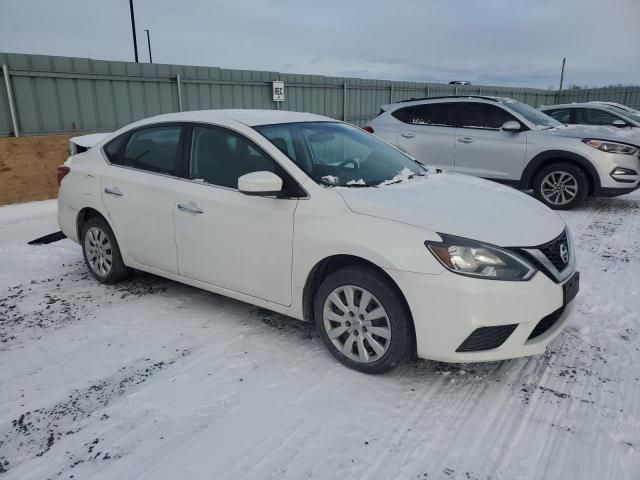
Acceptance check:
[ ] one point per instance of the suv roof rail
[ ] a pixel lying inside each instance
(415, 99)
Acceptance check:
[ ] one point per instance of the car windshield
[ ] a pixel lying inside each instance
(538, 118)
(340, 155)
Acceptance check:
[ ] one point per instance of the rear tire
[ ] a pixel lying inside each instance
(101, 252)
(363, 320)
(561, 186)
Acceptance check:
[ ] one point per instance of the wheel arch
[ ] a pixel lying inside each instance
(83, 217)
(550, 157)
(87, 213)
(333, 263)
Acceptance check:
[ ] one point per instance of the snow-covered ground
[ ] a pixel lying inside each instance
(152, 379)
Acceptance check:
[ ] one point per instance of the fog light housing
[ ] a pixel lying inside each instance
(619, 174)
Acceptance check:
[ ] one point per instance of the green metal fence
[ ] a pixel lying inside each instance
(46, 94)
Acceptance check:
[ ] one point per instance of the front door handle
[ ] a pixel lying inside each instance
(189, 208)
(407, 134)
(115, 191)
(465, 140)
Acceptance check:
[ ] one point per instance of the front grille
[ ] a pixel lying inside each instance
(546, 323)
(551, 250)
(548, 257)
(486, 338)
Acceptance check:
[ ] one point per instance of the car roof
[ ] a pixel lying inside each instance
(600, 106)
(249, 117)
(440, 99)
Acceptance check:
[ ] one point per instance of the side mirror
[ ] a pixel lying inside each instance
(619, 123)
(511, 126)
(263, 184)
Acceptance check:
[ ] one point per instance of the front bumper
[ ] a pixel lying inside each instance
(612, 184)
(447, 308)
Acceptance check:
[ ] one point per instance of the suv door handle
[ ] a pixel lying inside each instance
(115, 191)
(189, 207)
(407, 134)
(465, 140)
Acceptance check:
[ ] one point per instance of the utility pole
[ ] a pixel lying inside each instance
(149, 44)
(564, 59)
(133, 31)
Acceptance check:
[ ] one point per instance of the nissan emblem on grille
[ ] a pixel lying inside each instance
(564, 253)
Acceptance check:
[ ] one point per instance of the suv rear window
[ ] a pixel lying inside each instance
(435, 114)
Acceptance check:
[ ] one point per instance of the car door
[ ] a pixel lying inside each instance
(224, 237)
(483, 149)
(137, 191)
(428, 133)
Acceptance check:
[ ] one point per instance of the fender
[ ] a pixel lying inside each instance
(544, 158)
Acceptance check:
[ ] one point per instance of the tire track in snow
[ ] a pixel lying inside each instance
(27, 310)
(34, 433)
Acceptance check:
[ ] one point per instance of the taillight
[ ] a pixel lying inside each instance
(61, 172)
(368, 129)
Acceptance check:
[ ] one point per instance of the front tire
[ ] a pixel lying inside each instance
(101, 252)
(561, 186)
(363, 320)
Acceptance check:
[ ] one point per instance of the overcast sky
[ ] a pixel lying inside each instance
(491, 42)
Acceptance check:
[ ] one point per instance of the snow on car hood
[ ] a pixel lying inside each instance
(625, 135)
(460, 205)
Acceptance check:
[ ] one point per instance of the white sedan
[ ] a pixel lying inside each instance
(321, 221)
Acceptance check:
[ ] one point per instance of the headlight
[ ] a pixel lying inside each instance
(480, 260)
(611, 147)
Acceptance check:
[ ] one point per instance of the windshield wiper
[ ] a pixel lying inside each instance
(350, 185)
(357, 185)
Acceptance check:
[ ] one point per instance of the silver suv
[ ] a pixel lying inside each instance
(510, 142)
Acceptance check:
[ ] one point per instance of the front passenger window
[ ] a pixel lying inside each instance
(591, 116)
(483, 115)
(219, 157)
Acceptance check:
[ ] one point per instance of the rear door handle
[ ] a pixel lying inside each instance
(465, 140)
(115, 191)
(189, 208)
(407, 134)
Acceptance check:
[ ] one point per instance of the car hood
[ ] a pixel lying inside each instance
(460, 205)
(625, 135)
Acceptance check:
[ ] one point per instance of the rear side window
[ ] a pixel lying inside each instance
(112, 149)
(434, 114)
(154, 149)
(482, 115)
(563, 115)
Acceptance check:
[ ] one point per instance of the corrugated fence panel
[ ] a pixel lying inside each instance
(65, 94)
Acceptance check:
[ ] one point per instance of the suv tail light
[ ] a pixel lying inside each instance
(368, 129)
(61, 172)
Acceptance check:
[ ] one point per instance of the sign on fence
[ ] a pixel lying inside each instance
(278, 91)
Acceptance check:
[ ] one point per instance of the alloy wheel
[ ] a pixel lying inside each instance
(357, 324)
(559, 188)
(98, 251)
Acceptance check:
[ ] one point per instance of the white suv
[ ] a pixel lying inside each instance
(318, 220)
(510, 142)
